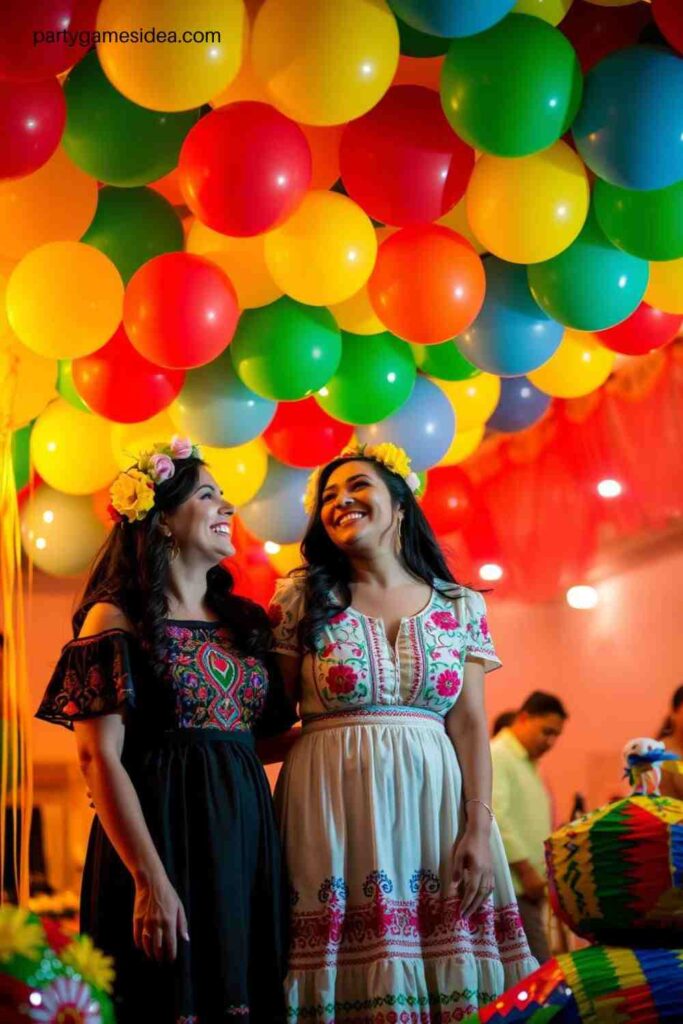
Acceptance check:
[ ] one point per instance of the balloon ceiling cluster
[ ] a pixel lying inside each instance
(413, 220)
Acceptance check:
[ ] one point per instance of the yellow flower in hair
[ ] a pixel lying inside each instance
(391, 456)
(19, 935)
(93, 966)
(132, 495)
(311, 495)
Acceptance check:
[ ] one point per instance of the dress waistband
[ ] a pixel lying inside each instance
(375, 715)
(208, 734)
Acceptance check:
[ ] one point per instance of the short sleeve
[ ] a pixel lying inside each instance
(479, 641)
(285, 612)
(93, 677)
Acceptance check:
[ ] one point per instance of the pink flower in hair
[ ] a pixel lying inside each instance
(181, 447)
(161, 467)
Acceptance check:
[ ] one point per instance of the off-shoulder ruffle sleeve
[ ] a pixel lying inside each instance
(285, 613)
(93, 677)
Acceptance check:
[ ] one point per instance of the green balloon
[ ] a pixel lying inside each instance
(414, 43)
(114, 140)
(286, 351)
(648, 224)
(514, 89)
(132, 225)
(376, 376)
(21, 456)
(66, 386)
(444, 361)
(592, 285)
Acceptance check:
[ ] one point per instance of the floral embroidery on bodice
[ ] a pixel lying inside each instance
(355, 665)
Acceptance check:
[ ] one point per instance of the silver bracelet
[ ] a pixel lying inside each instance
(476, 800)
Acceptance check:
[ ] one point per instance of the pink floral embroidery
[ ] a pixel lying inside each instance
(336, 619)
(341, 679)
(448, 683)
(484, 626)
(445, 620)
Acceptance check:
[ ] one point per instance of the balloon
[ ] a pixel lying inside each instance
(511, 335)
(444, 361)
(277, 512)
(129, 440)
(286, 558)
(669, 17)
(419, 71)
(240, 470)
(324, 145)
(29, 214)
(159, 74)
(356, 314)
(513, 90)
(456, 220)
(64, 299)
(401, 162)
(169, 187)
(473, 400)
(5, 271)
(34, 43)
(596, 32)
(325, 252)
(424, 426)
(439, 302)
(464, 444)
(244, 168)
(71, 450)
(414, 43)
(531, 208)
(28, 383)
(214, 407)
(304, 436)
(646, 224)
(615, 130)
(60, 533)
(579, 366)
(612, 3)
(66, 387)
(445, 18)
(520, 406)
(665, 287)
(32, 116)
(180, 310)
(114, 140)
(132, 226)
(591, 285)
(118, 383)
(21, 456)
(448, 503)
(285, 351)
(375, 377)
(552, 11)
(242, 259)
(644, 330)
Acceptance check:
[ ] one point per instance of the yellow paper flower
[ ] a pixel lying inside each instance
(93, 966)
(19, 935)
(311, 495)
(391, 456)
(132, 495)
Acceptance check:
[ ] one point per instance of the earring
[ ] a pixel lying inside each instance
(398, 544)
(173, 548)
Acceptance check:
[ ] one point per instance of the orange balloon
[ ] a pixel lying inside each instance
(324, 143)
(169, 188)
(428, 284)
(419, 71)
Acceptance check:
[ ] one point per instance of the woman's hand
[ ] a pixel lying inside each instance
(158, 918)
(473, 869)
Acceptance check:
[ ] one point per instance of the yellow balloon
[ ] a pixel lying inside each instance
(56, 203)
(286, 558)
(27, 383)
(325, 62)
(357, 315)
(240, 471)
(60, 533)
(200, 57)
(552, 11)
(242, 259)
(463, 445)
(665, 287)
(65, 299)
(71, 450)
(473, 400)
(530, 208)
(325, 252)
(580, 365)
(247, 85)
(128, 440)
(4, 322)
(456, 220)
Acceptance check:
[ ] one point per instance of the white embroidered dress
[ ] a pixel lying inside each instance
(370, 807)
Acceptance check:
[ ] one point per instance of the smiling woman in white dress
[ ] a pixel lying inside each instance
(402, 901)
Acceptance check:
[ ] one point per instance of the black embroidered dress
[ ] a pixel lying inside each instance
(189, 750)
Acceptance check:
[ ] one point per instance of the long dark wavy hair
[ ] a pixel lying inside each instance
(132, 572)
(327, 572)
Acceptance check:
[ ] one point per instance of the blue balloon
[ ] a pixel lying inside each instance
(629, 129)
(520, 406)
(451, 18)
(512, 335)
(424, 426)
(277, 512)
(216, 408)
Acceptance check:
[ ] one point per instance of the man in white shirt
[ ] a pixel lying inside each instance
(522, 806)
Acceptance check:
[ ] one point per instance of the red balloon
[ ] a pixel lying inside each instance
(669, 17)
(244, 168)
(32, 117)
(596, 31)
(118, 383)
(448, 500)
(42, 38)
(428, 284)
(180, 310)
(302, 434)
(402, 162)
(642, 331)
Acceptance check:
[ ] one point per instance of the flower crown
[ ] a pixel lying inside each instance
(390, 455)
(132, 493)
